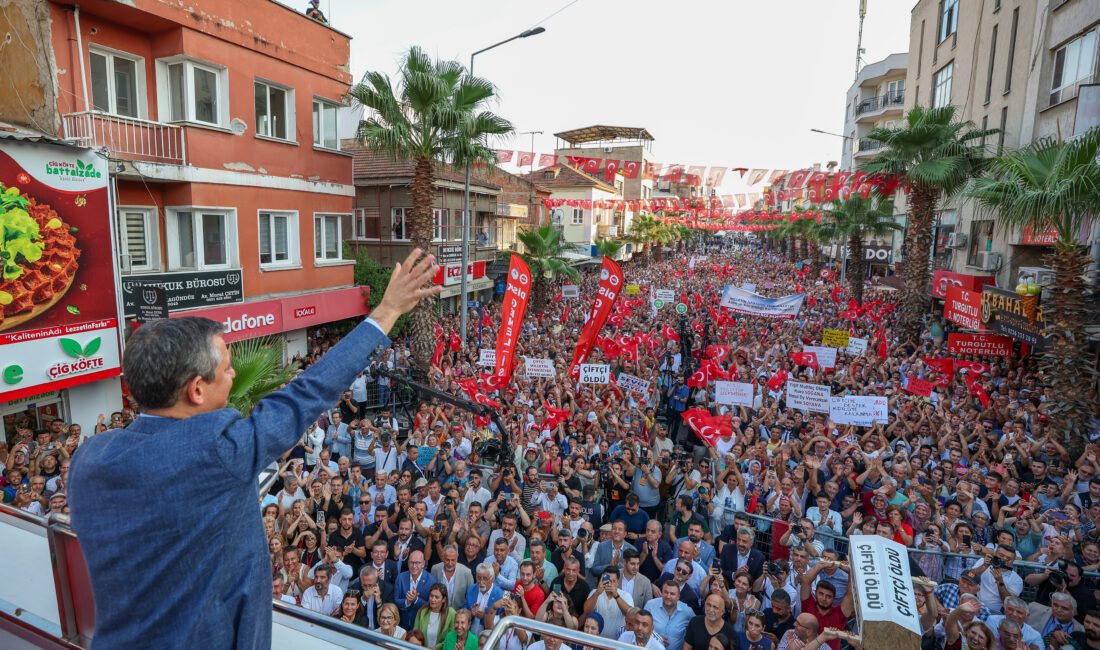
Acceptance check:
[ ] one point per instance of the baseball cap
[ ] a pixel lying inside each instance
(606, 528)
(971, 576)
(421, 482)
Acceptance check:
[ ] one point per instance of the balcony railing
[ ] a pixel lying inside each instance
(881, 102)
(511, 210)
(127, 137)
(867, 144)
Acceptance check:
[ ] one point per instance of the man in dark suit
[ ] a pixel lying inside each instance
(411, 589)
(372, 594)
(380, 562)
(741, 557)
(404, 544)
(197, 452)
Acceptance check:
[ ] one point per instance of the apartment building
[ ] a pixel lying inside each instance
(218, 120)
(622, 143)
(1013, 65)
(586, 217)
(383, 205)
(876, 99)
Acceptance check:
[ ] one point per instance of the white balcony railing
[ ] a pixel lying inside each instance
(127, 137)
(511, 210)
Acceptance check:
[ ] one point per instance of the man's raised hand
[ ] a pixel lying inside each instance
(408, 285)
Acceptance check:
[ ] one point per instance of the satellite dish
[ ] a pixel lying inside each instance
(237, 126)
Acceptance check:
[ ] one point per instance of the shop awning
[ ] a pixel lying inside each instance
(472, 286)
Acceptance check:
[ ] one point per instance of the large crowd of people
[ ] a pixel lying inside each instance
(612, 516)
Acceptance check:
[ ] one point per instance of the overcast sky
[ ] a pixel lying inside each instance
(738, 83)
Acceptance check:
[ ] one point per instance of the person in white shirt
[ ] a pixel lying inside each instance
(474, 492)
(517, 544)
(551, 500)
(278, 589)
(313, 440)
(998, 580)
(643, 635)
(549, 643)
(322, 597)
(339, 573)
(610, 602)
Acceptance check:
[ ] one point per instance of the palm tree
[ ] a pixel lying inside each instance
(934, 155)
(608, 247)
(435, 112)
(1052, 185)
(544, 253)
(856, 219)
(652, 232)
(260, 370)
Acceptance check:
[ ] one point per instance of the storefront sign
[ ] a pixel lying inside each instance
(267, 317)
(963, 307)
(54, 206)
(942, 280)
(863, 411)
(1043, 238)
(451, 274)
(1019, 328)
(877, 254)
(883, 587)
(539, 368)
(835, 338)
(808, 397)
(733, 393)
(1003, 312)
(152, 304)
(450, 254)
(595, 373)
(982, 345)
(186, 290)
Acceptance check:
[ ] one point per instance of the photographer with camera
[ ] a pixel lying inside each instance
(997, 579)
(802, 534)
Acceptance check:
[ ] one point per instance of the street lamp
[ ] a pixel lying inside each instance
(846, 137)
(466, 192)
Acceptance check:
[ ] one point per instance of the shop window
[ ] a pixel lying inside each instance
(327, 238)
(981, 240)
(278, 238)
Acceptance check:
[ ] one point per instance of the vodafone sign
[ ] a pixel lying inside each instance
(267, 317)
(451, 274)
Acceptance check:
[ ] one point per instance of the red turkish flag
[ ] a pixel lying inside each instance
(673, 174)
(715, 176)
(610, 169)
(547, 160)
(972, 367)
(718, 352)
(455, 342)
(695, 174)
(808, 359)
(757, 175)
(504, 155)
(525, 158)
(777, 175)
(480, 398)
(491, 382)
(669, 333)
(942, 366)
(797, 179)
(437, 354)
(883, 349)
(631, 168)
(565, 315)
(592, 165)
(919, 387)
(777, 380)
(976, 389)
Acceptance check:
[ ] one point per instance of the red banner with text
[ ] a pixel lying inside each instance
(516, 294)
(611, 283)
(981, 345)
(963, 307)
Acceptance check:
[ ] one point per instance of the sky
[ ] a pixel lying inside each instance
(734, 83)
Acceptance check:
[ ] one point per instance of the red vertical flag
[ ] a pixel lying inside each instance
(516, 294)
(611, 283)
(525, 158)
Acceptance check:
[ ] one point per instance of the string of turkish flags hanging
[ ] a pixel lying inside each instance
(611, 283)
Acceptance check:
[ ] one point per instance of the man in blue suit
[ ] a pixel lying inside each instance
(482, 595)
(188, 448)
(411, 590)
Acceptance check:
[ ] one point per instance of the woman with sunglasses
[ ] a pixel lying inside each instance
(388, 615)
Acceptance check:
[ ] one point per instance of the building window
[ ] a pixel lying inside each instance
(327, 245)
(399, 218)
(139, 238)
(324, 124)
(278, 238)
(949, 18)
(578, 217)
(199, 238)
(274, 111)
(1073, 65)
(194, 92)
(895, 91)
(117, 85)
(992, 60)
(1001, 135)
(941, 86)
(1012, 48)
(981, 240)
(985, 127)
(367, 223)
(996, 6)
(441, 226)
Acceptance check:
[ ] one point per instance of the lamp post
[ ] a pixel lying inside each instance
(466, 193)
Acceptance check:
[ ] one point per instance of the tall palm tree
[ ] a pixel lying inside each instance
(608, 247)
(935, 155)
(1051, 185)
(856, 219)
(544, 253)
(259, 370)
(436, 111)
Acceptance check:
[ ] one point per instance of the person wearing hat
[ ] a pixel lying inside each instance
(950, 595)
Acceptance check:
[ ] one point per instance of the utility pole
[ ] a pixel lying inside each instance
(859, 42)
(532, 134)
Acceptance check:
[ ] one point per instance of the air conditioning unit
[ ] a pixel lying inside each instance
(956, 240)
(609, 149)
(988, 261)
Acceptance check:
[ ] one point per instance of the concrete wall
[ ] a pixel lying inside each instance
(28, 64)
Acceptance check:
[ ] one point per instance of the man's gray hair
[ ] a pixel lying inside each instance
(367, 572)
(1013, 601)
(1065, 598)
(165, 354)
(745, 530)
(450, 547)
(485, 569)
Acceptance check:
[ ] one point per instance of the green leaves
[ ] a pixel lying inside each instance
(73, 348)
(19, 237)
(92, 347)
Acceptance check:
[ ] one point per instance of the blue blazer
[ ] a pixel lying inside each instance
(495, 594)
(207, 465)
(404, 583)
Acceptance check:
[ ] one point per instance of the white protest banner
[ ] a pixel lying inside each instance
(856, 346)
(487, 358)
(808, 397)
(747, 302)
(632, 383)
(734, 393)
(539, 368)
(859, 410)
(748, 286)
(826, 356)
(570, 291)
(595, 373)
(664, 295)
(886, 606)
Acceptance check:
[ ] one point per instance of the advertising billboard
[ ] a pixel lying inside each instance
(58, 308)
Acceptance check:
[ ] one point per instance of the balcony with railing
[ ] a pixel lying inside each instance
(511, 210)
(873, 106)
(127, 138)
(867, 147)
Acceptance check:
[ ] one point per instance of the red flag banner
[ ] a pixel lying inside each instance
(942, 366)
(715, 176)
(503, 155)
(525, 158)
(611, 283)
(982, 345)
(920, 387)
(631, 168)
(708, 427)
(547, 160)
(972, 367)
(757, 175)
(610, 169)
(516, 294)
